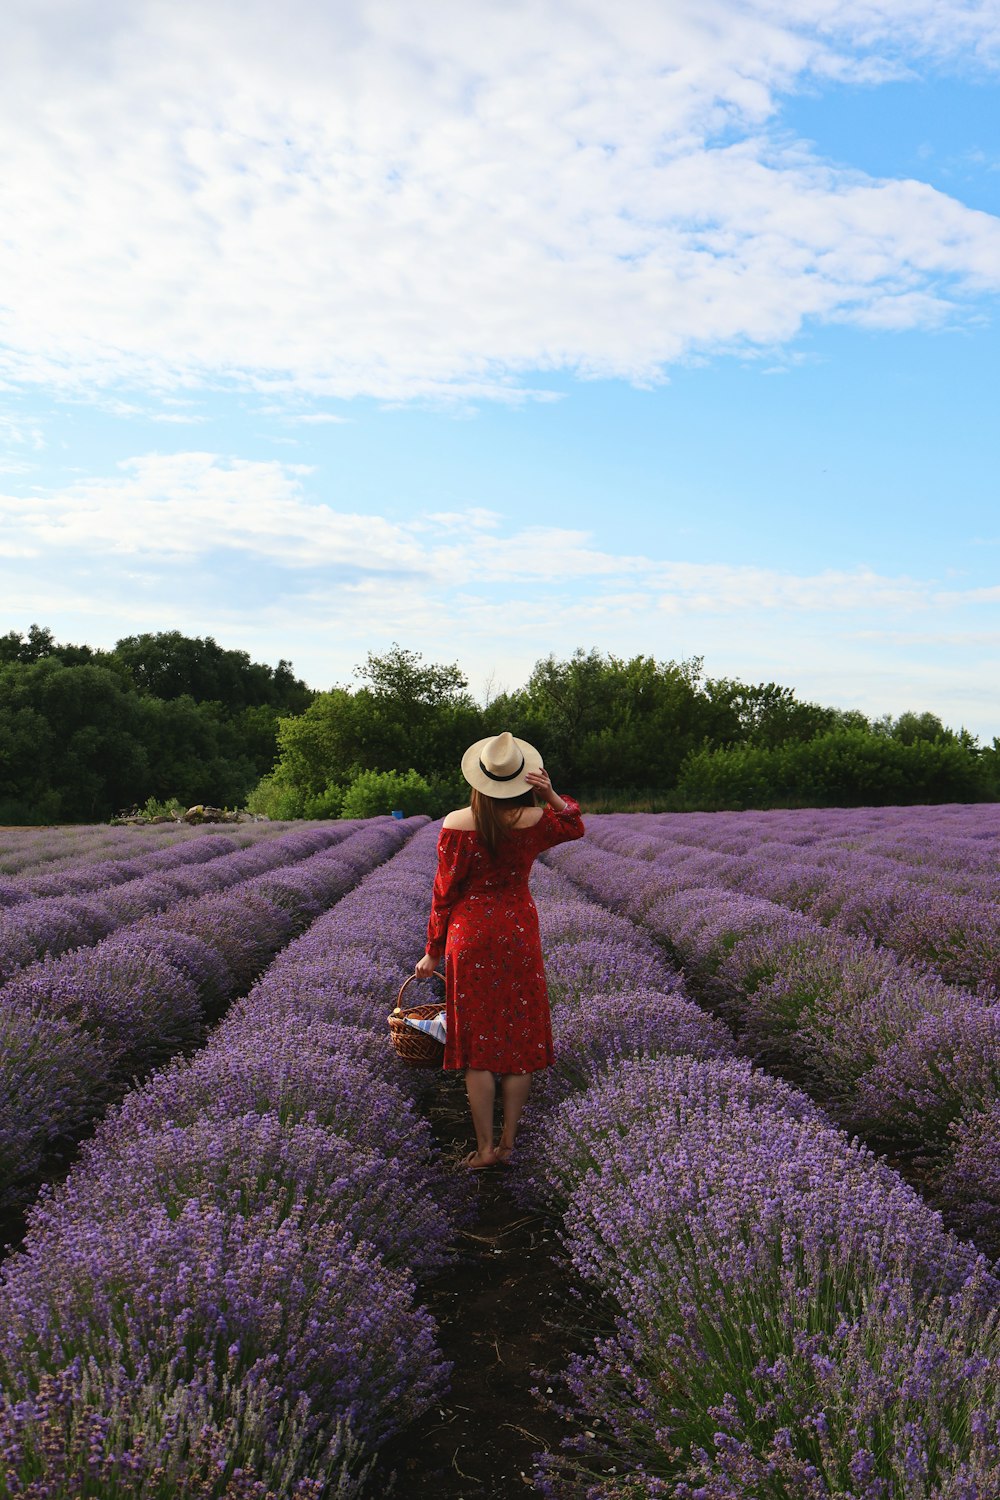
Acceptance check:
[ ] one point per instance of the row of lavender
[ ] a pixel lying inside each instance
(95, 868)
(898, 1055)
(51, 925)
(786, 1317)
(932, 901)
(35, 849)
(219, 1301)
(76, 1030)
(958, 836)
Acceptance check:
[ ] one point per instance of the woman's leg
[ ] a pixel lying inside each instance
(514, 1091)
(480, 1085)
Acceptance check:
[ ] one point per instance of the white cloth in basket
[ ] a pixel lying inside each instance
(433, 1025)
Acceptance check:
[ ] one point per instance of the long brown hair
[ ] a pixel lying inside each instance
(488, 816)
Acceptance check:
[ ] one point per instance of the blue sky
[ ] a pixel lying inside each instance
(675, 332)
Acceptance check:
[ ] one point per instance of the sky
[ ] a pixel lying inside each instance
(498, 330)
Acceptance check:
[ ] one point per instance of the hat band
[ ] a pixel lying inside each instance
(493, 775)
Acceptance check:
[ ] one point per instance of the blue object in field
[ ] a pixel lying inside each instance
(397, 813)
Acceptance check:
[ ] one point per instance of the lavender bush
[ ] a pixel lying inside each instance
(266, 1191)
(45, 927)
(972, 1180)
(300, 1329)
(664, 1095)
(598, 1033)
(30, 850)
(349, 965)
(136, 1004)
(932, 901)
(889, 1046)
(90, 874)
(265, 1170)
(147, 992)
(298, 1076)
(791, 1318)
(53, 1076)
(614, 996)
(89, 1434)
(946, 1065)
(37, 928)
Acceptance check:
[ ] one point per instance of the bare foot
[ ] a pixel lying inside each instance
(503, 1154)
(478, 1161)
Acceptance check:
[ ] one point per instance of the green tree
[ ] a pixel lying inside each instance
(408, 713)
(195, 753)
(27, 753)
(88, 758)
(762, 713)
(600, 720)
(412, 713)
(989, 765)
(401, 677)
(325, 744)
(910, 727)
(171, 665)
(40, 643)
(79, 741)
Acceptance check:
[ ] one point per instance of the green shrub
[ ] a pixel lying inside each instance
(376, 792)
(373, 793)
(843, 768)
(171, 808)
(276, 798)
(326, 804)
(448, 792)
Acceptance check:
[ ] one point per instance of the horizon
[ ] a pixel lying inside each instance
(486, 696)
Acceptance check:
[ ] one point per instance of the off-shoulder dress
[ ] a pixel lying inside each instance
(485, 924)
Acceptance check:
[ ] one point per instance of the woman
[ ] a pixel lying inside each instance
(483, 920)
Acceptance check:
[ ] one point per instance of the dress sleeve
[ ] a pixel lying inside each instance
(557, 828)
(454, 858)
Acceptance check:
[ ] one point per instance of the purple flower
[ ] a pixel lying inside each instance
(146, 992)
(293, 1327)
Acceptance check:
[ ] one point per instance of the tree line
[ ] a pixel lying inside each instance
(85, 734)
(619, 733)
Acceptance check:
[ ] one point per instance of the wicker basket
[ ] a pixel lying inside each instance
(418, 1049)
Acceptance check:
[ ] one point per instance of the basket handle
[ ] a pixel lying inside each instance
(399, 999)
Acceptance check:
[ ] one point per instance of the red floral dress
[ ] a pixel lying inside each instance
(484, 920)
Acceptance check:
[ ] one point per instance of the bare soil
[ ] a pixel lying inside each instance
(508, 1310)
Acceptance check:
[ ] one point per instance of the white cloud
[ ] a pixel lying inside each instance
(23, 433)
(17, 437)
(178, 508)
(248, 552)
(175, 508)
(332, 201)
(318, 418)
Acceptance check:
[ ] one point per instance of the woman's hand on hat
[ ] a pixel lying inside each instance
(540, 782)
(425, 968)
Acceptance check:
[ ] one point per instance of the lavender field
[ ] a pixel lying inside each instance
(769, 1153)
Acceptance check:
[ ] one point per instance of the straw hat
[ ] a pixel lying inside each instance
(497, 765)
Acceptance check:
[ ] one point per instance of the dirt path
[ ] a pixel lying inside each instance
(506, 1310)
